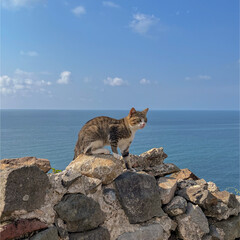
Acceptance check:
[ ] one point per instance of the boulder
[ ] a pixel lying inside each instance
(185, 183)
(177, 206)
(212, 187)
(167, 186)
(139, 196)
(198, 194)
(184, 174)
(48, 234)
(41, 163)
(153, 232)
(161, 170)
(22, 188)
(103, 167)
(193, 224)
(96, 234)
(227, 198)
(18, 229)
(230, 227)
(80, 212)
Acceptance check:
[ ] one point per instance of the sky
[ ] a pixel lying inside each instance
(93, 54)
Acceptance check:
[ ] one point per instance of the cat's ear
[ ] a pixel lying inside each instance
(132, 111)
(145, 111)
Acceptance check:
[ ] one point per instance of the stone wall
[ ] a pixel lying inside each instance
(96, 198)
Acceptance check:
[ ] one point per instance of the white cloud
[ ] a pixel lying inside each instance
(15, 4)
(64, 77)
(204, 77)
(78, 11)
(110, 4)
(29, 53)
(144, 81)
(115, 81)
(141, 23)
(23, 82)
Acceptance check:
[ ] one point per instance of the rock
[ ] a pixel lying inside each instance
(22, 188)
(161, 170)
(177, 206)
(226, 205)
(216, 233)
(212, 187)
(104, 167)
(69, 177)
(41, 163)
(80, 212)
(184, 174)
(62, 229)
(197, 194)
(48, 234)
(230, 227)
(167, 186)
(153, 232)
(96, 234)
(139, 196)
(185, 183)
(20, 228)
(193, 224)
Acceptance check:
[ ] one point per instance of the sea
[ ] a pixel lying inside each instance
(206, 142)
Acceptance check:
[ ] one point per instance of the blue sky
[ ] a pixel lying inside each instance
(85, 54)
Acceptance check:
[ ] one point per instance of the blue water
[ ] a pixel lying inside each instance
(206, 142)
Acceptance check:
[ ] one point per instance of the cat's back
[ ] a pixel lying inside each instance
(102, 121)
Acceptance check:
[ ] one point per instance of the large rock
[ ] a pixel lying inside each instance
(230, 227)
(48, 234)
(167, 186)
(193, 224)
(41, 163)
(104, 167)
(139, 196)
(177, 206)
(153, 232)
(184, 174)
(162, 169)
(20, 228)
(80, 212)
(22, 189)
(96, 234)
(147, 159)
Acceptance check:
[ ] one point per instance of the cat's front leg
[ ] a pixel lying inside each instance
(126, 157)
(115, 151)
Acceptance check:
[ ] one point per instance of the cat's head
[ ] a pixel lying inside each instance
(136, 119)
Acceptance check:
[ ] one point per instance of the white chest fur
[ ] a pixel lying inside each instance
(124, 143)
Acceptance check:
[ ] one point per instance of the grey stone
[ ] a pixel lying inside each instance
(230, 227)
(48, 234)
(80, 212)
(161, 170)
(185, 183)
(151, 232)
(212, 187)
(216, 233)
(70, 177)
(177, 206)
(22, 188)
(192, 225)
(139, 196)
(96, 234)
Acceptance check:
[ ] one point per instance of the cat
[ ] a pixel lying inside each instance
(105, 131)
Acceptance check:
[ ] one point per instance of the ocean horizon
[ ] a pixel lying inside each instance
(204, 141)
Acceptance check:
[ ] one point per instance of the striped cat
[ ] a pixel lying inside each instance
(103, 131)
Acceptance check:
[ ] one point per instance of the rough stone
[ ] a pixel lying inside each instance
(161, 170)
(153, 232)
(139, 196)
(167, 186)
(230, 227)
(48, 234)
(212, 187)
(227, 198)
(216, 233)
(184, 174)
(22, 188)
(41, 163)
(96, 234)
(177, 206)
(20, 228)
(104, 167)
(69, 177)
(193, 224)
(197, 194)
(185, 183)
(81, 213)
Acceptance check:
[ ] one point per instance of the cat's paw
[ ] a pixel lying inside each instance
(117, 156)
